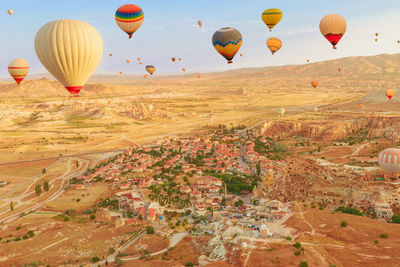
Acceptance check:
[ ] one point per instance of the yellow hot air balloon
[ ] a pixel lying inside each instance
(183, 69)
(274, 44)
(150, 69)
(10, 12)
(271, 17)
(389, 93)
(333, 27)
(227, 41)
(18, 69)
(70, 50)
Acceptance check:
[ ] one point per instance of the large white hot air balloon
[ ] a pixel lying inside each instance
(389, 160)
(70, 50)
(18, 69)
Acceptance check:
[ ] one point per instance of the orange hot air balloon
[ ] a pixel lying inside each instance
(120, 72)
(128, 61)
(389, 93)
(183, 69)
(173, 59)
(314, 84)
(376, 34)
(361, 105)
(241, 55)
(376, 39)
(140, 63)
(138, 58)
(179, 59)
(199, 75)
(110, 55)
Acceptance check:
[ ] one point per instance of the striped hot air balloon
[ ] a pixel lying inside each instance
(271, 17)
(227, 41)
(18, 69)
(150, 69)
(333, 27)
(129, 18)
(389, 160)
(274, 44)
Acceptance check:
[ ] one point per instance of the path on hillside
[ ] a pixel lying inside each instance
(304, 219)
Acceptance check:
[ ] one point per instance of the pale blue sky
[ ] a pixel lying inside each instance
(170, 29)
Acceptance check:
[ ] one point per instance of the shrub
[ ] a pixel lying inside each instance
(303, 264)
(313, 206)
(396, 218)
(111, 250)
(18, 227)
(376, 241)
(297, 245)
(305, 205)
(349, 211)
(18, 239)
(25, 237)
(31, 234)
(95, 259)
(288, 238)
(321, 208)
(343, 224)
(384, 235)
(189, 264)
(297, 253)
(92, 217)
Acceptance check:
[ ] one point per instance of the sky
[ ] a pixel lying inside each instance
(170, 30)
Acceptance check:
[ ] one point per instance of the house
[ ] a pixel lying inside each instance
(80, 186)
(195, 194)
(185, 190)
(383, 210)
(124, 186)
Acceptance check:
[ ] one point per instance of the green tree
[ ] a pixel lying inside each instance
(95, 259)
(303, 264)
(149, 230)
(77, 163)
(118, 261)
(43, 170)
(46, 186)
(11, 206)
(384, 235)
(111, 250)
(396, 218)
(38, 189)
(258, 168)
(297, 245)
(343, 224)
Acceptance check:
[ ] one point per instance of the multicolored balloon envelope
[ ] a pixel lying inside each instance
(129, 18)
(227, 42)
(274, 44)
(333, 27)
(150, 69)
(70, 50)
(18, 69)
(389, 160)
(271, 17)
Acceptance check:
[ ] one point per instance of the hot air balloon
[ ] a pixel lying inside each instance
(128, 61)
(339, 69)
(281, 111)
(140, 63)
(199, 75)
(376, 34)
(274, 44)
(70, 50)
(314, 84)
(200, 23)
(271, 17)
(389, 160)
(389, 93)
(150, 69)
(376, 39)
(398, 41)
(227, 42)
(180, 59)
(120, 72)
(361, 105)
(241, 55)
(308, 60)
(18, 69)
(138, 58)
(110, 55)
(146, 75)
(183, 69)
(333, 27)
(129, 18)
(173, 59)
(10, 12)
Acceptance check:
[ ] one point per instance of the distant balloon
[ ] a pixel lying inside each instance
(241, 55)
(199, 75)
(120, 72)
(333, 27)
(138, 58)
(281, 111)
(173, 59)
(10, 12)
(314, 84)
(150, 69)
(129, 18)
(180, 59)
(200, 23)
(389, 93)
(149, 107)
(361, 105)
(128, 61)
(398, 41)
(376, 34)
(140, 63)
(274, 44)
(70, 50)
(339, 69)
(271, 17)
(376, 39)
(227, 41)
(110, 55)
(18, 69)
(308, 60)
(146, 75)
(389, 160)
(183, 69)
